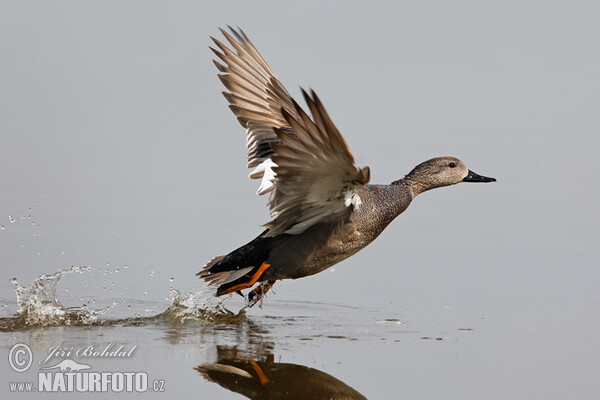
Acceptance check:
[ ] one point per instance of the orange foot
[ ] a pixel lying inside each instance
(256, 294)
(263, 267)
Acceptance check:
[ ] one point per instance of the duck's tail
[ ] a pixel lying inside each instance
(240, 269)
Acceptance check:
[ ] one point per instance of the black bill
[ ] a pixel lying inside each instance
(473, 177)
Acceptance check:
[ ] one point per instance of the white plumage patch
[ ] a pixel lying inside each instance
(351, 198)
(264, 169)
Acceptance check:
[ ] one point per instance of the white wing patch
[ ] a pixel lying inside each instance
(265, 169)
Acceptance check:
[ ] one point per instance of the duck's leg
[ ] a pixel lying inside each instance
(257, 293)
(223, 289)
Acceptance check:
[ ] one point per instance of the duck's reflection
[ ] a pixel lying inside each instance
(266, 379)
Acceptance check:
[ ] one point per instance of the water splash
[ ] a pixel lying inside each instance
(198, 306)
(38, 305)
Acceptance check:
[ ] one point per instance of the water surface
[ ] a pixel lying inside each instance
(298, 349)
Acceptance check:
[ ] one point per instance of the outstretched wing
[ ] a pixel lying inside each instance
(303, 160)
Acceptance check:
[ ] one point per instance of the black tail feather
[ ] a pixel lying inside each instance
(238, 266)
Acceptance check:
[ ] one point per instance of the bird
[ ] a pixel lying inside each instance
(322, 207)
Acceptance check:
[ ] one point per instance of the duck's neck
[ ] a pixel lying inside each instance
(392, 200)
(414, 187)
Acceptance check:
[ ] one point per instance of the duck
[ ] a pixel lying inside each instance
(322, 207)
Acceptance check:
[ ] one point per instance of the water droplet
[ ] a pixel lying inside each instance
(11, 219)
(145, 293)
(171, 280)
(125, 266)
(2, 227)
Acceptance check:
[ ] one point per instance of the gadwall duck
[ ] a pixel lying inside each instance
(323, 210)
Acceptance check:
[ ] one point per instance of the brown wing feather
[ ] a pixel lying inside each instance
(304, 161)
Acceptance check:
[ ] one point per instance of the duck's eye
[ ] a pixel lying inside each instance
(452, 165)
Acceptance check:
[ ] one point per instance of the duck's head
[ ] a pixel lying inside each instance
(441, 171)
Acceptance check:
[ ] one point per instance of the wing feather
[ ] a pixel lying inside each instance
(303, 160)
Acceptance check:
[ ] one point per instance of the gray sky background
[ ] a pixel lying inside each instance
(114, 132)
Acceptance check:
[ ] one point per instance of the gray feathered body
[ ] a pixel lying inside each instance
(324, 244)
(333, 240)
